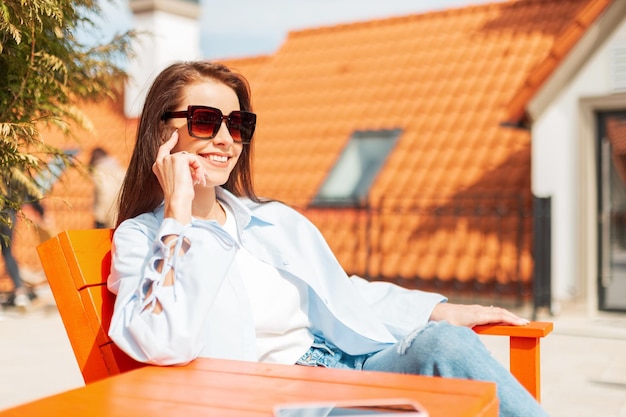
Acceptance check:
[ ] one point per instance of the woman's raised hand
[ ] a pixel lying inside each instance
(177, 173)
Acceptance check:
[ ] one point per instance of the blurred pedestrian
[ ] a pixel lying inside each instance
(21, 296)
(107, 175)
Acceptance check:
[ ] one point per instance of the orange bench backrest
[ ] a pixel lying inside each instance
(77, 264)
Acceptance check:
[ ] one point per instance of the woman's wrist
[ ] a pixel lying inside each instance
(180, 213)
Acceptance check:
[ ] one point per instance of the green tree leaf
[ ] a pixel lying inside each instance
(45, 72)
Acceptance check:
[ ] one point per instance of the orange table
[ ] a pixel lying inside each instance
(211, 387)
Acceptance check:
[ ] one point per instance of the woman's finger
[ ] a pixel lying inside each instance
(197, 172)
(501, 315)
(167, 147)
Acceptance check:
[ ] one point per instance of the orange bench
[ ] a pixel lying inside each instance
(77, 264)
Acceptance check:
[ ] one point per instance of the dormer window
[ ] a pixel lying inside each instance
(349, 182)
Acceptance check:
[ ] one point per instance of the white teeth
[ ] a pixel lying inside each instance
(218, 158)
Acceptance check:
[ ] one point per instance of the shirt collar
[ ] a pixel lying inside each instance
(243, 208)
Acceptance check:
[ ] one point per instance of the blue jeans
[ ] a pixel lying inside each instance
(437, 349)
(10, 263)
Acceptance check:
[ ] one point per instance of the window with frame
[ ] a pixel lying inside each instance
(349, 182)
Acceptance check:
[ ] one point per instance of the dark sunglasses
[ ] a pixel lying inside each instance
(204, 122)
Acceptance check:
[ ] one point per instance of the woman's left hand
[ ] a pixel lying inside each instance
(473, 315)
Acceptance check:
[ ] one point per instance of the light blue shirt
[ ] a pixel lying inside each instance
(206, 312)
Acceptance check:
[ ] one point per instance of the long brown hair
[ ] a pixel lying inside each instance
(141, 192)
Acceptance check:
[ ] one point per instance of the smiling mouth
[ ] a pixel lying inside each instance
(216, 158)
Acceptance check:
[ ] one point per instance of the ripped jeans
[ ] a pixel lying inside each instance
(437, 349)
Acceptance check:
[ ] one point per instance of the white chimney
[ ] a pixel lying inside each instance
(169, 32)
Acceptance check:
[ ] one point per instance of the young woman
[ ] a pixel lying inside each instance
(203, 268)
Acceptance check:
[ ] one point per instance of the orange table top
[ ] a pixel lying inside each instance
(210, 387)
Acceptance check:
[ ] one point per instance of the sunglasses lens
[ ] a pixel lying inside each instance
(241, 126)
(205, 122)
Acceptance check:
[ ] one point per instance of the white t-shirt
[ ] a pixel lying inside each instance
(279, 306)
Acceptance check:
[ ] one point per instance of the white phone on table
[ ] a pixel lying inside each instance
(358, 408)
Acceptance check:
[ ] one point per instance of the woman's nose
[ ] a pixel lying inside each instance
(223, 136)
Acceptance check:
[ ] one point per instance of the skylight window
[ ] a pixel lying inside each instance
(349, 182)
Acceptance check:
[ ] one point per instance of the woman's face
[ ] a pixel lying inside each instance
(220, 154)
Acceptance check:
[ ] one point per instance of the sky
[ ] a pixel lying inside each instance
(242, 28)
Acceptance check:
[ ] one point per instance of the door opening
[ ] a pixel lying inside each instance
(612, 210)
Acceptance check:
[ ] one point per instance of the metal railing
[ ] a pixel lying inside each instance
(471, 243)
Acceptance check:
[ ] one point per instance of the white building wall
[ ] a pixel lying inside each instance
(557, 152)
(166, 37)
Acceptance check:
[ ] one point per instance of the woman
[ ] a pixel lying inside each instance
(202, 267)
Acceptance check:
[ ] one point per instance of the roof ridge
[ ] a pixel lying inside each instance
(246, 58)
(332, 27)
(563, 44)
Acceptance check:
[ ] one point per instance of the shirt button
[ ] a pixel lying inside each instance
(285, 262)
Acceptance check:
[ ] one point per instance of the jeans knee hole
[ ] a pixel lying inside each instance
(405, 343)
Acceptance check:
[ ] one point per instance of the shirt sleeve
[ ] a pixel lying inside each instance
(400, 309)
(202, 253)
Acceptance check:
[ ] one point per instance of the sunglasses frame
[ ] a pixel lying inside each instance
(188, 114)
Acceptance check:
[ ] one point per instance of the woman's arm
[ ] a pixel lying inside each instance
(400, 309)
(166, 281)
(403, 310)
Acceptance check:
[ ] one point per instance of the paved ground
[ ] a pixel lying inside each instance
(583, 361)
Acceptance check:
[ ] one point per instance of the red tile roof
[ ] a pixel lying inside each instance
(445, 78)
(448, 79)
